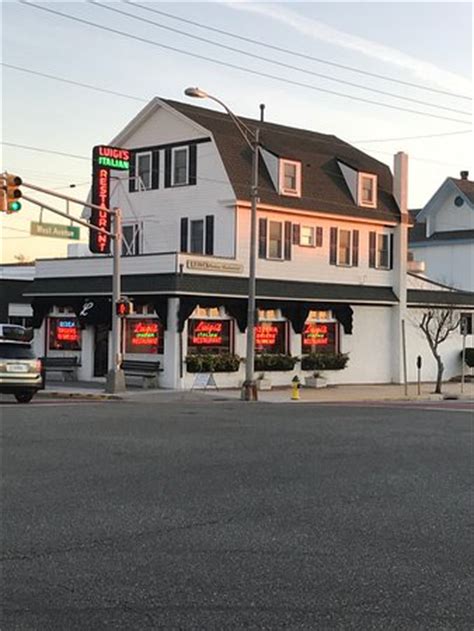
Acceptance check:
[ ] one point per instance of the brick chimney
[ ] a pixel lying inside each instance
(464, 175)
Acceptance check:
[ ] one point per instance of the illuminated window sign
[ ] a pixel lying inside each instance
(209, 336)
(271, 337)
(319, 337)
(64, 334)
(144, 336)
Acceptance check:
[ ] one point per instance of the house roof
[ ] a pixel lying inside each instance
(323, 186)
(466, 186)
(417, 234)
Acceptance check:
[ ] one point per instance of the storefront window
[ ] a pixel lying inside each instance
(143, 336)
(64, 334)
(320, 337)
(271, 337)
(209, 336)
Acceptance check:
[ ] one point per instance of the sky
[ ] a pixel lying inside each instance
(425, 44)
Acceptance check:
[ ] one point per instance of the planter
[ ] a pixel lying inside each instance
(315, 382)
(212, 363)
(469, 357)
(322, 361)
(271, 363)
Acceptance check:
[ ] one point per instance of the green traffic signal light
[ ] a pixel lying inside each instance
(14, 207)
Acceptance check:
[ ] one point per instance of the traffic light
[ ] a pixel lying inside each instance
(124, 307)
(10, 193)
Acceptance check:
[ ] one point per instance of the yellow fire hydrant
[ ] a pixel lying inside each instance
(295, 388)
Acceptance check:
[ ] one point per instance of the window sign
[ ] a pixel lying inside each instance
(270, 337)
(209, 336)
(319, 337)
(144, 336)
(64, 334)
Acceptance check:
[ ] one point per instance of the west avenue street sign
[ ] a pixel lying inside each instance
(56, 230)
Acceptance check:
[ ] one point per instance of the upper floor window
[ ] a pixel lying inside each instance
(275, 240)
(131, 238)
(143, 171)
(367, 194)
(290, 178)
(344, 247)
(197, 235)
(179, 166)
(380, 250)
(307, 236)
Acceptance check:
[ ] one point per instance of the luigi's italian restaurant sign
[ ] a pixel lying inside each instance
(270, 337)
(206, 334)
(318, 337)
(143, 336)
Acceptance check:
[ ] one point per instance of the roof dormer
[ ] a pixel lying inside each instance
(289, 180)
(362, 185)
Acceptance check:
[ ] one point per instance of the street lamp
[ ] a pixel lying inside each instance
(252, 138)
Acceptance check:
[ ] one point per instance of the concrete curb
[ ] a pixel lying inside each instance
(55, 394)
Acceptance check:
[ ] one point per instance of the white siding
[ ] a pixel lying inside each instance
(451, 264)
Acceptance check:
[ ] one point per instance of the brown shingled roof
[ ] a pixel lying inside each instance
(323, 186)
(466, 186)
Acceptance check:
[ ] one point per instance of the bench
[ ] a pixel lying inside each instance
(148, 371)
(66, 365)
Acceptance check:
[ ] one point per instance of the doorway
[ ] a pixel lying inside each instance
(101, 350)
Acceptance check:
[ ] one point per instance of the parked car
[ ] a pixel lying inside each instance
(20, 369)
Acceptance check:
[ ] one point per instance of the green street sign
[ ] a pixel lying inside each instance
(55, 230)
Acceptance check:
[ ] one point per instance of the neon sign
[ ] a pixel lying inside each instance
(65, 334)
(209, 336)
(143, 336)
(208, 333)
(266, 334)
(104, 160)
(319, 335)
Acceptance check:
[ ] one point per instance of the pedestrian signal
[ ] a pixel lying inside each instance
(123, 308)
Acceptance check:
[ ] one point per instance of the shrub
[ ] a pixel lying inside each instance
(212, 363)
(322, 361)
(469, 357)
(271, 362)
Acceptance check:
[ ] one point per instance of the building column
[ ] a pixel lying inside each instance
(172, 356)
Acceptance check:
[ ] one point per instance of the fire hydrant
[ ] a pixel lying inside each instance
(295, 388)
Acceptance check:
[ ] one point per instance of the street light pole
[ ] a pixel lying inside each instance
(115, 377)
(249, 389)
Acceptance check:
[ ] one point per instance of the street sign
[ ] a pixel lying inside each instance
(55, 230)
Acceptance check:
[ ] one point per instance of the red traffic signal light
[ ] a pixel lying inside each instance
(123, 308)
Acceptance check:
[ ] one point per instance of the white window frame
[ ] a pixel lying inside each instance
(138, 232)
(313, 236)
(350, 247)
(296, 192)
(141, 185)
(190, 234)
(174, 150)
(379, 237)
(282, 254)
(373, 179)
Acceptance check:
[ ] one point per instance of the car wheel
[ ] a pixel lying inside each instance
(24, 397)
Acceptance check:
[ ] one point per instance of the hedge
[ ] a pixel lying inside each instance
(469, 357)
(212, 363)
(322, 361)
(271, 362)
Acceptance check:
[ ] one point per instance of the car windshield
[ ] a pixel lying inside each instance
(16, 351)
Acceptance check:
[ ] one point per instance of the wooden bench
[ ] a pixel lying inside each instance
(66, 365)
(148, 371)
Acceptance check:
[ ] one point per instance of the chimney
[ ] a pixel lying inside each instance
(262, 112)
(464, 174)
(400, 181)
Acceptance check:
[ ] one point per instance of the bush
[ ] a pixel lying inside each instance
(469, 357)
(271, 362)
(212, 363)
(322, 361)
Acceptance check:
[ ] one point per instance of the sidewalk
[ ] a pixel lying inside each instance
(331, 394)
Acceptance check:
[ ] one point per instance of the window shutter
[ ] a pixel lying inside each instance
(333, 247)
(262, 238)
(390, 254)
(319, 237)
(372, 249)
(288, 235)
(296, 233)
(184, 234)
(209, 246)
(192, 164)
(132, 185)
(355, 248)
(155, 169)
(167, 168)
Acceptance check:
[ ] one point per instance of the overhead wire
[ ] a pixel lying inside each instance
(236, 66)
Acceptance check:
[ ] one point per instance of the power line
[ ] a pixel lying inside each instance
(275, 62)
(297, 54)
(448, 133)
(237, 67)
(58, 153)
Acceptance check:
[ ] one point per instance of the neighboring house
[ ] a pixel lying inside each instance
(331, 267)
(443, 234)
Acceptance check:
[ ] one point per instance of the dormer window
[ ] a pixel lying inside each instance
(290, 178)
(367, 193)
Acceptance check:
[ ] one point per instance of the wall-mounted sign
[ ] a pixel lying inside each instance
(64, 334)
(55, 230)
(143, 336)
(104, 160)
(204, 335)
(319, 337)
(270, 337)
(214, 266)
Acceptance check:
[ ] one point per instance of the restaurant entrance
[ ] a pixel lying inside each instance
(101, 350)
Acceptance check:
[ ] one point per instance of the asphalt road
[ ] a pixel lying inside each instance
(226, 515)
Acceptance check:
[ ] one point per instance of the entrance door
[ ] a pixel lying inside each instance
(101, 350)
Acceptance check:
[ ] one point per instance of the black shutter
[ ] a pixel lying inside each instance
(155, 169)
(184, 235)
(372, 249)
(192, 164)
(132, 186)
(333, 247)
(167, 168)
(296, 233)
(287, 248)
(209, 245)
(262, 238)
(390, 254)
(355, 248)
(319, 237)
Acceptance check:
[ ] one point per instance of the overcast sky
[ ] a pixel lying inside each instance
(426, 44)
